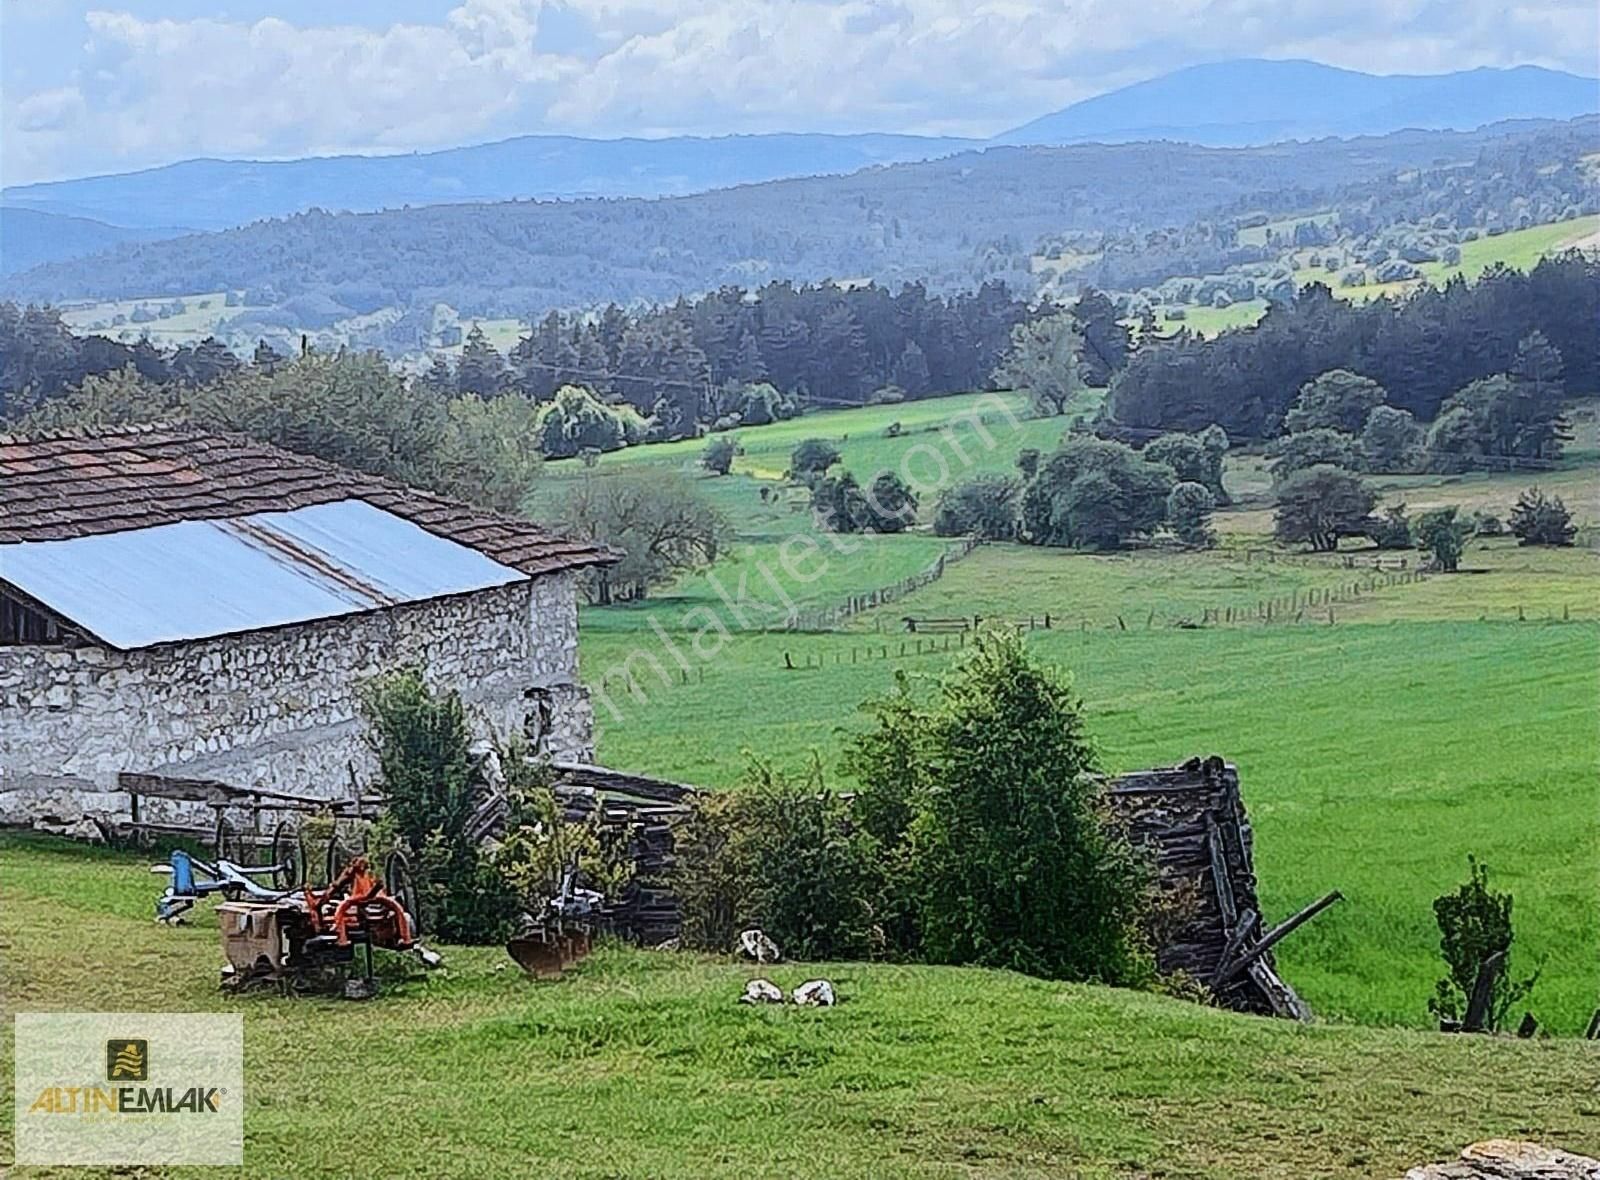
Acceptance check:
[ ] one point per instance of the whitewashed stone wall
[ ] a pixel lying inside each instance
(279, 709)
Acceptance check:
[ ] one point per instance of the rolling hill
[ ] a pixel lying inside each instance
(1253, 101)
(29, 237)
(948, 222)
(216, 194)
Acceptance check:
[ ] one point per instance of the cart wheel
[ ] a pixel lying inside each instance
(224, 840)
(289, 853)
(402, 886)
(342, 850)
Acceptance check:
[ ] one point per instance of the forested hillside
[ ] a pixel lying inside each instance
(950, 223)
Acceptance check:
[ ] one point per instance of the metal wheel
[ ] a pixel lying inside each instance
(342, 849)
(402, 886)
(288, 855)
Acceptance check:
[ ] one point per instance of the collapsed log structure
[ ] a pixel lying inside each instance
(1192, 820)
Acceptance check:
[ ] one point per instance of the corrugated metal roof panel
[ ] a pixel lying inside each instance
(199, 578)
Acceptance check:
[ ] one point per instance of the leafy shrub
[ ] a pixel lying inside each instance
(1475, 924)
(430, 781)
(1094, 494)
(984, 506)
(1487, 524)
(575, 419)
(1444, 534)
(1538, 519)
(812, 458)
(1189, 508)
(717, 458)
(1392, 530)
(783, 855)
(985, 802)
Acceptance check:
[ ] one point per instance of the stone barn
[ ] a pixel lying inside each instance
(194, 605)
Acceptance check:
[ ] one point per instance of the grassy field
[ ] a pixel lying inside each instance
(1374, 759)
(865, 442)
(641, 1064)
(1519, 249)
(1377, 752)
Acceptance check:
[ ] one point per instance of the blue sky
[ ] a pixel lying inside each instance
(102, 87)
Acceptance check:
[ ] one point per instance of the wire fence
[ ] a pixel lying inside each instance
(829, 618)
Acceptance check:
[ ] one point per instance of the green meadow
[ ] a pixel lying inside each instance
(1386, 725)
(641, 1063)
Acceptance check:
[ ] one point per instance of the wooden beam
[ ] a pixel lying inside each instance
(1220, 880)
(1276, 935)
(1478, 1014)
(1241, 932)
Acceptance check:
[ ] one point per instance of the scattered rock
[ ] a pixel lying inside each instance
(761, 991)
(818, 993)
(1511, 1159)
(759, 947)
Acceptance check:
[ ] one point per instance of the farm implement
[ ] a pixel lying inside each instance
(297, 936)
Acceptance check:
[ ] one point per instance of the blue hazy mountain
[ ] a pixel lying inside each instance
(1251, 101)
(216, 194)
(29, 237)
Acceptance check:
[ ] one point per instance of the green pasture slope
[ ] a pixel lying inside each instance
(640, 1063)
(1430, 720)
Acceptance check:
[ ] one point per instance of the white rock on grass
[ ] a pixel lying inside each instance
(817, 993)
(761, 991)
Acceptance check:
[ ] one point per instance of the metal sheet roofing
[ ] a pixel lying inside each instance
(200, 578)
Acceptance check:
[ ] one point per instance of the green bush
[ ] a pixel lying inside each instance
(986, 804)
(1538, 519)
(782, 855)
(430, 782)
(1189, 508)
(1475, 924)
(717, 458)
(1392, 530)
(984, 506)
(1444, 534)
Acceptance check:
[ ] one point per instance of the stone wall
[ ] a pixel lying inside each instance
(278, 709)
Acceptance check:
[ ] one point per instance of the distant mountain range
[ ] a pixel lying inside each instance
(1225, 104)
(950, 223)
(1251, 101)
(218, 194)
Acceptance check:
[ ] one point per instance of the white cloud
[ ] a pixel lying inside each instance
(149, 90)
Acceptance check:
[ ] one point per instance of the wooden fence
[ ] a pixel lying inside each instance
(830, 618)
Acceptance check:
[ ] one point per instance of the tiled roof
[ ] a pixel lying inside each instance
(82, 483)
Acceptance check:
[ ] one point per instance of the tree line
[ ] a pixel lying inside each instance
(691, 363)
(1423, 349)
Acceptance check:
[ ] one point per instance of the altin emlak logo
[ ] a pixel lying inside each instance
(127, 1060)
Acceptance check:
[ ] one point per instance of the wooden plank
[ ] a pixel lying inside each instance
(1230, 952)
(1284, 1001)
(1221, 882)
(1277, 934)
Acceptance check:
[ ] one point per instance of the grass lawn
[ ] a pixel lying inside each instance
(862, 436)
(641, 1064)
(1374, 759)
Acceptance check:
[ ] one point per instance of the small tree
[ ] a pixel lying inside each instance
(717, 458)
(1538, 519)
(812, 458)
(1337, 400)
(1444, 534)
(1189, 508)
(1391, 440)
(1004, 856)
(1392, 530)
(1474, 925)
(984, 506)
(1045, 359)
(891, 506)
(1321, 504)
(1095, 494)
(1309, 448)
(430, 782)
(1028, 462)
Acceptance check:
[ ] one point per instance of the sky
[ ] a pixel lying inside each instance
(89, 88)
